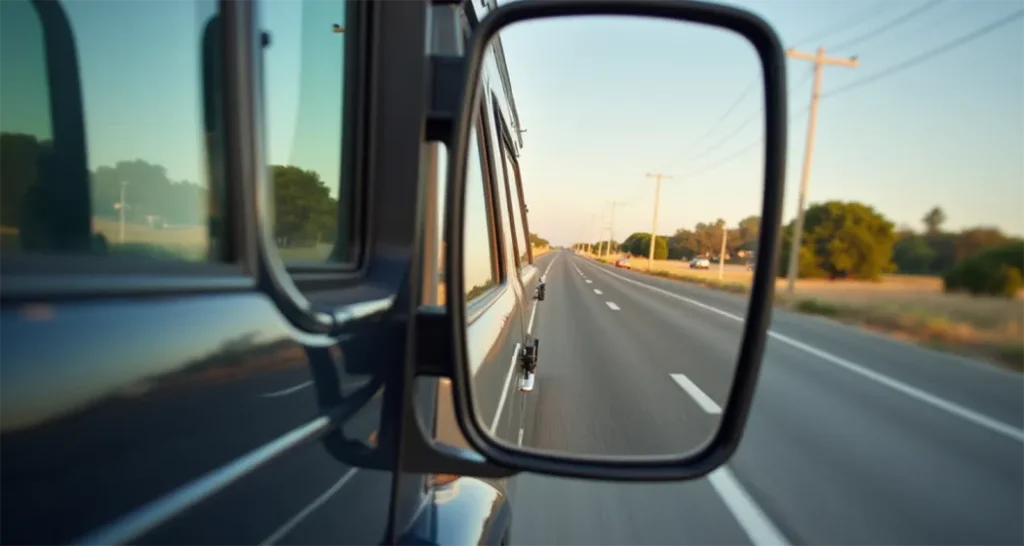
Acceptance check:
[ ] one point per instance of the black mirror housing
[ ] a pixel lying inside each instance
(498, 459)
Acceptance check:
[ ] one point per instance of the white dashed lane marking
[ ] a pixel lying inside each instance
(704, 401)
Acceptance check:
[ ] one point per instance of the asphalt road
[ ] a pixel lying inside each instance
(854, 438)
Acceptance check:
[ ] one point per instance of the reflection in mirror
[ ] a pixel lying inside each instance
(592, 132)
(305, 90)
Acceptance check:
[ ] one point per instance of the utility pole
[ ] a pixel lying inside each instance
(721, 253)
(611, 227)
(600, 235)
(121, 205)
(590, 245)
(654, 227)
(820, 61)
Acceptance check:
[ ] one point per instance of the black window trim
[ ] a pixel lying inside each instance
(31, 277)
(46, 276)
(513, 183)
(311, 277)
(492, 173)
(388, 192)
(485, 299)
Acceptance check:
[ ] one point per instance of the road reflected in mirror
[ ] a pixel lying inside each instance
(586, 335)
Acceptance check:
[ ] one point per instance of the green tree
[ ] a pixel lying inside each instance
(933, 220)
(997, 271)
(682, 245)
(537, 240)
(305, 212)
(842, 240)
(660, 248)
(150, 194)
(748, 232)
(912, 254)
(639, 244)
(973, 241)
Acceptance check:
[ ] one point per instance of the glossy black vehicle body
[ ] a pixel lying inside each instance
(179, 403)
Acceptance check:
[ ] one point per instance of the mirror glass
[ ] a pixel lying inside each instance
(592, 132)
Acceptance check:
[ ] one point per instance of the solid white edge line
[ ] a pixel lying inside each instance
(703, 400)
(533, 314)
(305, 512)
(748, 514)
(612, 306)
(548, 268)
(289, 390)
(504, 390)
(913, 392)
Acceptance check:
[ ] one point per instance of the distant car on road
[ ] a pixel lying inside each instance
(700, 263)
(622, 262)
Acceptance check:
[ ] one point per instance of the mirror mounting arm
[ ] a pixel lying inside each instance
(435, 356)
(447, 75)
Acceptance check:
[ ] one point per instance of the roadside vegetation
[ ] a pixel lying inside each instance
(956, 291)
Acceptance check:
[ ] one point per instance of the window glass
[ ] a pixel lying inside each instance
(440, 171)
(518, 212)
(304, 75)
(479, 264)
(502, 201)
(139, 184)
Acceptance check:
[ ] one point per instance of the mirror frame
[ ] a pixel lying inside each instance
(734, 416)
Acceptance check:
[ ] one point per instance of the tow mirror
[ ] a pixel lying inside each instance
(540, 63)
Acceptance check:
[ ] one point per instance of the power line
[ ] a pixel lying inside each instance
(987, 29)
(954, 14)
(741, 126)
(841, 25)
(844, 24)
(739, 152)
(750, 87)
(905, 17)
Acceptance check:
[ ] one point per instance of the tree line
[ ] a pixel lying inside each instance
(705, 239)
(851, 240)
(305, 212)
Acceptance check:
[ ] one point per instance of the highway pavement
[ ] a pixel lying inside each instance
(854, 438)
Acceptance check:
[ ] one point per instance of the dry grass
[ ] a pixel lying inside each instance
(307, 254)
(186, 243)
(903, 306)
(191, 236)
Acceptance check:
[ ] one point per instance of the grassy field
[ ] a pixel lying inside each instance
(904, 306)
(187, 243)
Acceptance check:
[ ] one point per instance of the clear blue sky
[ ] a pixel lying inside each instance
(141, 87)
(947, 132)
(603, 103)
